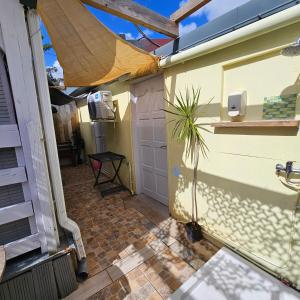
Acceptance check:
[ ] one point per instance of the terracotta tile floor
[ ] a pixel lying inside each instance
(152, 260)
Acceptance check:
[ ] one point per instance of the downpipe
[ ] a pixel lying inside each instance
(50, 139)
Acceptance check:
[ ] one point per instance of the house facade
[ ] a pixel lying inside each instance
(27, 210)
(33, 216)
(241, 200)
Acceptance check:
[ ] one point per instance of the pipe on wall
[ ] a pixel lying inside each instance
(48, 127)
(276, 21)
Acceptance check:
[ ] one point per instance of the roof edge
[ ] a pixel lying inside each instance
(274, 22)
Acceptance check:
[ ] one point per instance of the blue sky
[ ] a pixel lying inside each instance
(165, 7)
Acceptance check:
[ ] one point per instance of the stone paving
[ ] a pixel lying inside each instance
(143, 260)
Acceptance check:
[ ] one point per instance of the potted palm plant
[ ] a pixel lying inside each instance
(186, 111)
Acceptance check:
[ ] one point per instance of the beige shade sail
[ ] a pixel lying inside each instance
(89, 53)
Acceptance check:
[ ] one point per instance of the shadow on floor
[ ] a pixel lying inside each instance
(134, 249)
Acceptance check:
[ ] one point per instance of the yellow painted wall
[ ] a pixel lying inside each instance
(86, 130)
(240, 199)
(119, 138)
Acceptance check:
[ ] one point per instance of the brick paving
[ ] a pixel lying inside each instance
(153, 259)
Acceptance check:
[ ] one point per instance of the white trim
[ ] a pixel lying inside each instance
(19, 60)
(43, 188)
(281, 19)
(48, 126)
(21, 246)
(1, 40)
(9, 136)
(18, 150)
(15, 212)
(12, 176)
(136, 155)
(26, 189)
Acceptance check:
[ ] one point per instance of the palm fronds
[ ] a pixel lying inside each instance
(186, 112)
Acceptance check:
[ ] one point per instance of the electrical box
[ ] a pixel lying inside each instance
(101, 106)
(237, 104)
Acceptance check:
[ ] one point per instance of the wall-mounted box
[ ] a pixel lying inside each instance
(237, 104)
(101, 106)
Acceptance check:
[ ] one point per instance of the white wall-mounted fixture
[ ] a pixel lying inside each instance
(237, 104)
(101, 106)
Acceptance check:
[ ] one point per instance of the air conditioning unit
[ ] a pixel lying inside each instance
(100, 106)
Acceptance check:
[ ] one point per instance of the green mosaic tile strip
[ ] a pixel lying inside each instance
(280, 107)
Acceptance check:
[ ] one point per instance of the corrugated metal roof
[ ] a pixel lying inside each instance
(147, 45)
(241, 16)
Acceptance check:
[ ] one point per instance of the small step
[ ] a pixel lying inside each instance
(228, 276)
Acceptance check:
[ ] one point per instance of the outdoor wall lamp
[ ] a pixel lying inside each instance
(292, 50)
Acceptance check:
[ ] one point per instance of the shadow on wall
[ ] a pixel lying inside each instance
(257, 220)
(292, 89)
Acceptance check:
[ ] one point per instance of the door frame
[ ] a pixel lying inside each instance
(136, 154)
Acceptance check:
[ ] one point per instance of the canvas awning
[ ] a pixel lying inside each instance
(89, 53)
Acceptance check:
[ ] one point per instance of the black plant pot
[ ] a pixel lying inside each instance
(193, 231)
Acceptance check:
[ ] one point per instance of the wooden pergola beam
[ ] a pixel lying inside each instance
(187, 9)
(138, 14)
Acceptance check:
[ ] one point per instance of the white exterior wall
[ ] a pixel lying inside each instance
(30, 151)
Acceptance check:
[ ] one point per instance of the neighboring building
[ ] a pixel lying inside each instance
(150, 46)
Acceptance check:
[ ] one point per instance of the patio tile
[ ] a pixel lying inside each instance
(126, 244)
(205, 249)
(166, 272)
(168, 240)
(133, 286)
(91, 286)
(129, 263)
(158, 246)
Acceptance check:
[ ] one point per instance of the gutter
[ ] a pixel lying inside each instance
(48, 128)
(281, 19)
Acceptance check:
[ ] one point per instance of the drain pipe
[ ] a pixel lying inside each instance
(50, 139)
(281, 19)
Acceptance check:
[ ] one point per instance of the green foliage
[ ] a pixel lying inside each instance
(47, 47)
(186, 110)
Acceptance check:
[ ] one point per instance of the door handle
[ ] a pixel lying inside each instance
(163, 147)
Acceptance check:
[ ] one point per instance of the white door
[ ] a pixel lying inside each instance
(151, 138)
